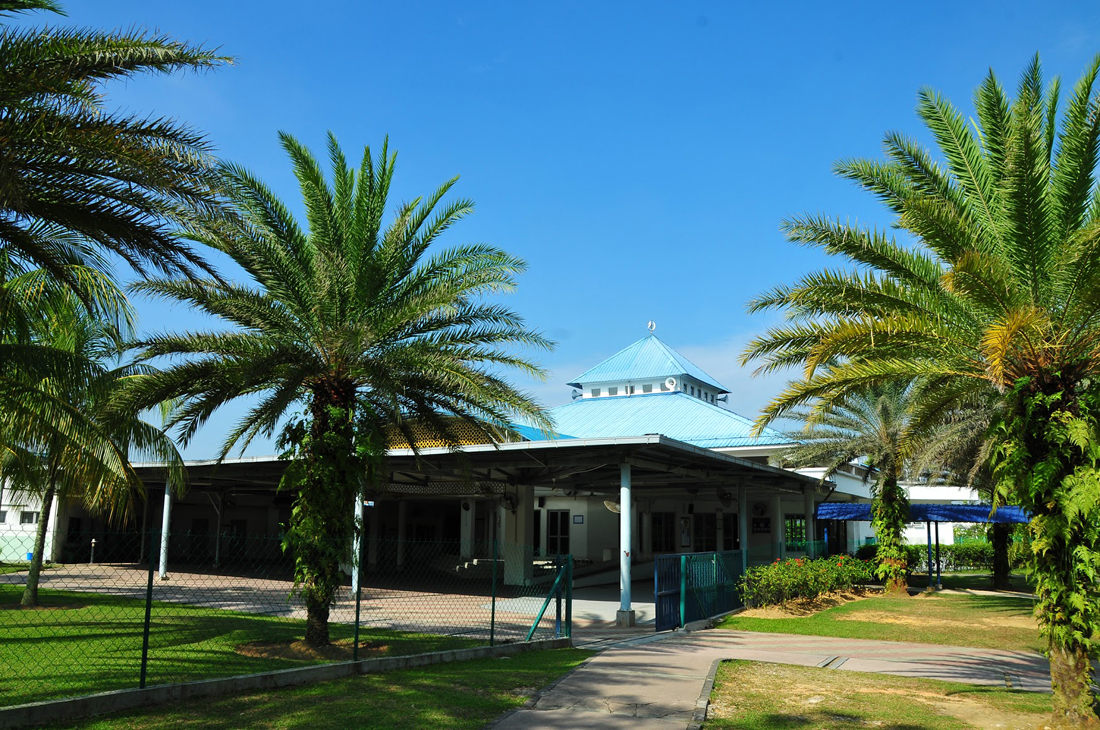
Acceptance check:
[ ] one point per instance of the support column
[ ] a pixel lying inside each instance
(777, 531)
(625, 615)
(743, 525)
(519, 529)
(356, 542)
(165, 522)
(373, 537)
(468, 515)
(811, 529)
(402, 511)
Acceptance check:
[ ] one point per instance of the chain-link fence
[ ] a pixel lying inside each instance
(108, 617)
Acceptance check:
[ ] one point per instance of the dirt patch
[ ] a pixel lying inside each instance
(802, 608)
(884, 617)
(298, 650)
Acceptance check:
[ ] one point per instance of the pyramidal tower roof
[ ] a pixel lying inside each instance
(646, 359)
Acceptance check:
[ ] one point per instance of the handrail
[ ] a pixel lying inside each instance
(546, 603)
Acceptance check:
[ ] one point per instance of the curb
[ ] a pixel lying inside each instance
(702, 705)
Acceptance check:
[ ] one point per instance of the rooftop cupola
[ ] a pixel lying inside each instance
(647, 366)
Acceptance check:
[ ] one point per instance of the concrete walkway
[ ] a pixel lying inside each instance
(663, 681)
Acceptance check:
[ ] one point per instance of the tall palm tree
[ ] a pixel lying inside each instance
(76, 176)
(866, 426)
(352, 321)
(80, 184)
(995, 285)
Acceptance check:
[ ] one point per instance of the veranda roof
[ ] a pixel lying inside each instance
(932, 512)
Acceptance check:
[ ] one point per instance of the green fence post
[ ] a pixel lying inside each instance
(148, 616)
(493, 614)
(683, 589)
(569, 598)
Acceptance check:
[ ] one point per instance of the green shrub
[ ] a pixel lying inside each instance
(802, 578)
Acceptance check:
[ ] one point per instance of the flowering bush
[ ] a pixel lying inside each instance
(794, 578)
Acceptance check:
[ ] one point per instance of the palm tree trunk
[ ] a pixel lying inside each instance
(322, 523)
(1001, 568)
(30, 592)
(1070, 679)
(888, 512)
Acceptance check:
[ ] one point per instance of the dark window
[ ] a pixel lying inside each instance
(664, 532)
(28, 518)
(557, 532)
(730, 527)
(706, 532)
(794, 531)
(3, 516)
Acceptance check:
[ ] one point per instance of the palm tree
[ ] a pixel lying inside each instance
(352, 321)
(994, 285)
(80, 184)
(75, 176)
(957, 446)
(95, 469)
(868, 426)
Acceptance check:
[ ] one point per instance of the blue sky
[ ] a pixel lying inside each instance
(640, 156)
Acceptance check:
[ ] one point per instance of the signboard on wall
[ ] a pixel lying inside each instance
(761, 525)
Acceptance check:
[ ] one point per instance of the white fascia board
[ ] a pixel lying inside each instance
(941, 493)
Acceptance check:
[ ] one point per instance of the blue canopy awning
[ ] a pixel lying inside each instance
(936, 512)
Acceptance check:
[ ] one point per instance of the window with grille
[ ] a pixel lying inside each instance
(794, 530)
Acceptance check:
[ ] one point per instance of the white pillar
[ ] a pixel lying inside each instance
(777, 532)
(625, 616)
(373, 537)
(811, 531)
(467, 516)
(743, 525)
(518, 533)
(165, 521)
(356, 542)
(402, 510)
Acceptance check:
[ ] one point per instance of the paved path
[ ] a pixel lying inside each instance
(662, 681)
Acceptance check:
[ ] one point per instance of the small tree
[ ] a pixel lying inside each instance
(867, 427)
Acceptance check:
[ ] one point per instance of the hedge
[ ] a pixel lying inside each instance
(802, 578)
(964, 556)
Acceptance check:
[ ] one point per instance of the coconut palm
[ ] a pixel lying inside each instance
(94, 469)
(76, 176)
(353, 322)
(866, 426)
(994, 285)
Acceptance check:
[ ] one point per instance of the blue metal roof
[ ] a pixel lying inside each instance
(676, 415)
(646, 359)
(936, 512)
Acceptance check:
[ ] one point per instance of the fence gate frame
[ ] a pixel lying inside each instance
(693, 586)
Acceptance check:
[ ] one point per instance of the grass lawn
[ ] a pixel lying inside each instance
(996, 622)
(974, 580)
(456, 695)
(13, 567)
(82, 643)
(756, 695)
